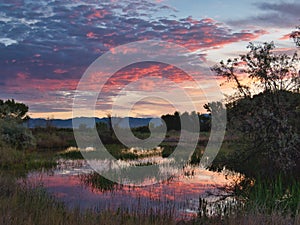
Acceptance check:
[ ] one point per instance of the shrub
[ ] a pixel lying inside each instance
(15, 134)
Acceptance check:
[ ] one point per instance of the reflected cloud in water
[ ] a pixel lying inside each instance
(76, 184)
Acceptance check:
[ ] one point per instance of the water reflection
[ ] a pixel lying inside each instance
(75, 183)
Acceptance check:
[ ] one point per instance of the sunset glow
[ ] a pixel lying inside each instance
(46, 46)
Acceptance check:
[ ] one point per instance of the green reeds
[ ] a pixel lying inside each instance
(278, 194)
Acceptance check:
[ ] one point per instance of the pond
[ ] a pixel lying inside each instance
(76, 184)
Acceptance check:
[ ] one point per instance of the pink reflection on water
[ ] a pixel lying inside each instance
(181, 195)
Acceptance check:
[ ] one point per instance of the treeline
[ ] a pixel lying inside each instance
(188, 121)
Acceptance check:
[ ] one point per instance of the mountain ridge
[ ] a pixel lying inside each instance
(89, 122)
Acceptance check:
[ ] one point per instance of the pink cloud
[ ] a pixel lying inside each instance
(42, 85)
(98, 14)
(91, 35)
(60, 71)
(285, 37)
(22, 76)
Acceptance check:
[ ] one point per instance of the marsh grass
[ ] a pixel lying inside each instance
(270, 202)
(28, 205)
(275, 195)
(74, 154)
(256, 216)
(260, 201)
(251, 213)
(116, 150)
(32, 205)
(23, 161)
(21, 205)
(10, 157)
(98, 182)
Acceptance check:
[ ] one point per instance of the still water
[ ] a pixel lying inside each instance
(69, 182)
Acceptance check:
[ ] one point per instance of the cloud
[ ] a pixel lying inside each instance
(280, 15)
(60, 71)
(45, 46)
(7, 41)
(286, 37)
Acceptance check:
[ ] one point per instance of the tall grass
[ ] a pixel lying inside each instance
(53, 138)
(22, 161)
(22, 205)
(116, 150)
(275, 195)
(263, 201)
(256, 212)
(98, 182)
(32, 205)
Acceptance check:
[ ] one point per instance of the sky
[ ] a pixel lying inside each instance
(47, 46)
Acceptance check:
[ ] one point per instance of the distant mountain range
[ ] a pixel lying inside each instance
(89, 122)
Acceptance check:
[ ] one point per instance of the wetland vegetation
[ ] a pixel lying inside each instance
(261, 145)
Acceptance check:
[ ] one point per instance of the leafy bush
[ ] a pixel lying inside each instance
(268, 134)
(265, 124)
(15, 134)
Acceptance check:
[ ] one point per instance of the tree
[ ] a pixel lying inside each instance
(101, 127)
(296, 36)
(262, 112)
(172, 121)
(266, 70)
(190, 120)
(110, 125)
(12, 131)
(217, 113)
(14, 110)
(204, 120)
